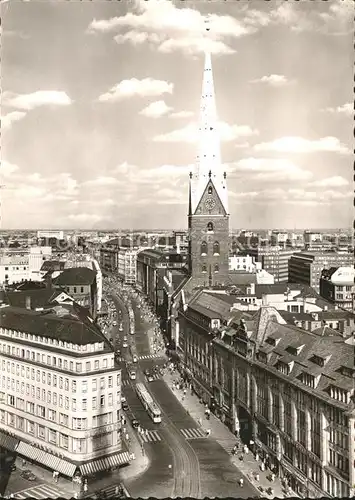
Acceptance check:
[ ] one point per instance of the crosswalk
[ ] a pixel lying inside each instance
(193, 433)
(150, 356)
(151, 437)
(41, 491)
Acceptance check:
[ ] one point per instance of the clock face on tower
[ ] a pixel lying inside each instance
(210, 203)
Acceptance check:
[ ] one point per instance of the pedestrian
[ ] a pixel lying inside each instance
(241, 482)
(208, 432)
(272, 477)
(85, 487)
(146, 432)
(262, 466)
(127, 436)
(257, 476)
(257, 456)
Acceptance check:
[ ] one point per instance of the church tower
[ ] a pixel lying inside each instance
(208, 218)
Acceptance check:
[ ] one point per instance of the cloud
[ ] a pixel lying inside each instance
(169, 28)
(301, 145)
(190, 133)
(7, 169)
(335, 181)
(182, 114)
(346, 109)
(10, 118)
(101, 181)
(156, 109)
(270, 169)
(291, 196)
(272, 80)
(135, 87)
(85, 218)
(162, 174)
(36, 99)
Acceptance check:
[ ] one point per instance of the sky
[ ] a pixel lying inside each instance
(100, 110)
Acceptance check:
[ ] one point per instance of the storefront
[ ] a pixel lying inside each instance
(296, 480)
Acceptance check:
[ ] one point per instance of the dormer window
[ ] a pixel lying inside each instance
(210, 227)
(294, 350)
(339, 394)
(272, 341)
(284, 368)
(318, 360)
(309, 379)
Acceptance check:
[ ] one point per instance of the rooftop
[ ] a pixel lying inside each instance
(75, 276)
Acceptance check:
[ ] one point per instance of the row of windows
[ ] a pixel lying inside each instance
(54, 380)
(74, 445)
(204, 248)
(215, 268)
(56, 361)
(74, 289)
(53, 398)
(97, 346)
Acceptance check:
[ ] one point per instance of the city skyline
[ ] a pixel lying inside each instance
(106, 145)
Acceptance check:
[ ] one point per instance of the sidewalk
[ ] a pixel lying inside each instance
(249, 467)
(141, 461)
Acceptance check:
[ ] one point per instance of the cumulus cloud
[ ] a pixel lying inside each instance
(346, 109)
(163, 173)
(270, 169)
(181, 114)
(156, 109)
(135, 87)
(169, 28)
(84, 218)
(10, 118)
(190, 133)
(335, 181)
(7, 168)
(101, 181)
(35, 99)
(272, 80)
(301, 145)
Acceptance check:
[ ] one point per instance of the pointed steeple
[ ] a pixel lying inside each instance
(208, 162)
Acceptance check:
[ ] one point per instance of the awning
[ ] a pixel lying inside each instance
(8, 442)
(48, 460)
(104, 463)
(66, 468)
(28, 450)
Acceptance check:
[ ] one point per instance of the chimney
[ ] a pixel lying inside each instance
(264, 301)
(28, 302)
(252, 288)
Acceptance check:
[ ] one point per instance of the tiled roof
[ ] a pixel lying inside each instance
(211, 305)
(52, 265)
(75, 276)
(238, 278)
(75, 326)
(39, 298)
(29, 285)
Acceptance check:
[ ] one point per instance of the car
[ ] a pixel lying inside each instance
(125, 406)
(28, 475)
(125, 344)
(114, 323)
(132, 375)
(123, 399)
(148, 375)
(118, 352)
(135, 423)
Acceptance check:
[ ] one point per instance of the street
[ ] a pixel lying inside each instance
(199, 465)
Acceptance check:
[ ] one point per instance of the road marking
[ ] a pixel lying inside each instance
(152, 437)
(41, 491)
(193, 433)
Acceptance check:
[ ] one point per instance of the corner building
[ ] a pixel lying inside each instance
(60, 391)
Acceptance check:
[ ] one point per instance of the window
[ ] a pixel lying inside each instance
(79, 423)
(74, 404)
(64, 440)
(97, 365)
(102, 383)
(30, 427)
(94, 403)
(216, 268)
(84, 404)
(204, 248)
(82, 289)
(63, 419)
(41, 432)
(52, 436)
(210, 189)
(210, 226)
(79, 445)
(52, 415)
(94, 384)
(74, 289)
(41, 411)
(204, 269)
(216, 248)
(78, 367)
(73, 386)
(88, 366)
(102, 401)
(110, 381)
(67, 403)
(105, 363)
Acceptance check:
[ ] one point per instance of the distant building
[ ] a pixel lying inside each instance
(245, 263)
(279, 238)
(337, 286)
(81, 284)
(306, 267)
(60, 389)
(127, 265)
(274, 260)
(50, 233)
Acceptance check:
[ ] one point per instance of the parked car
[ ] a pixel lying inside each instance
(135, 423)
(27, 474)
(125, 406)
(148, 375)
(132, 375)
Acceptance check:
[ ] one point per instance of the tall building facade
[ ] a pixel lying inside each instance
(274, 260)
(208, 218)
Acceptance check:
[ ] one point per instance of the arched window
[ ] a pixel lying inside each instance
(204, 269)
(210, 226)
(204, 248)
(209, 189)
(216, 268)
(216, 248)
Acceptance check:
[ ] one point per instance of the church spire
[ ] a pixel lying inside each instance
(208, 161)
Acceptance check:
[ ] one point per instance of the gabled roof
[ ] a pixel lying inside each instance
(75, 276)
(211, 305)
(52, 265)
(38, 298)
(240, 278)
(29, 285)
